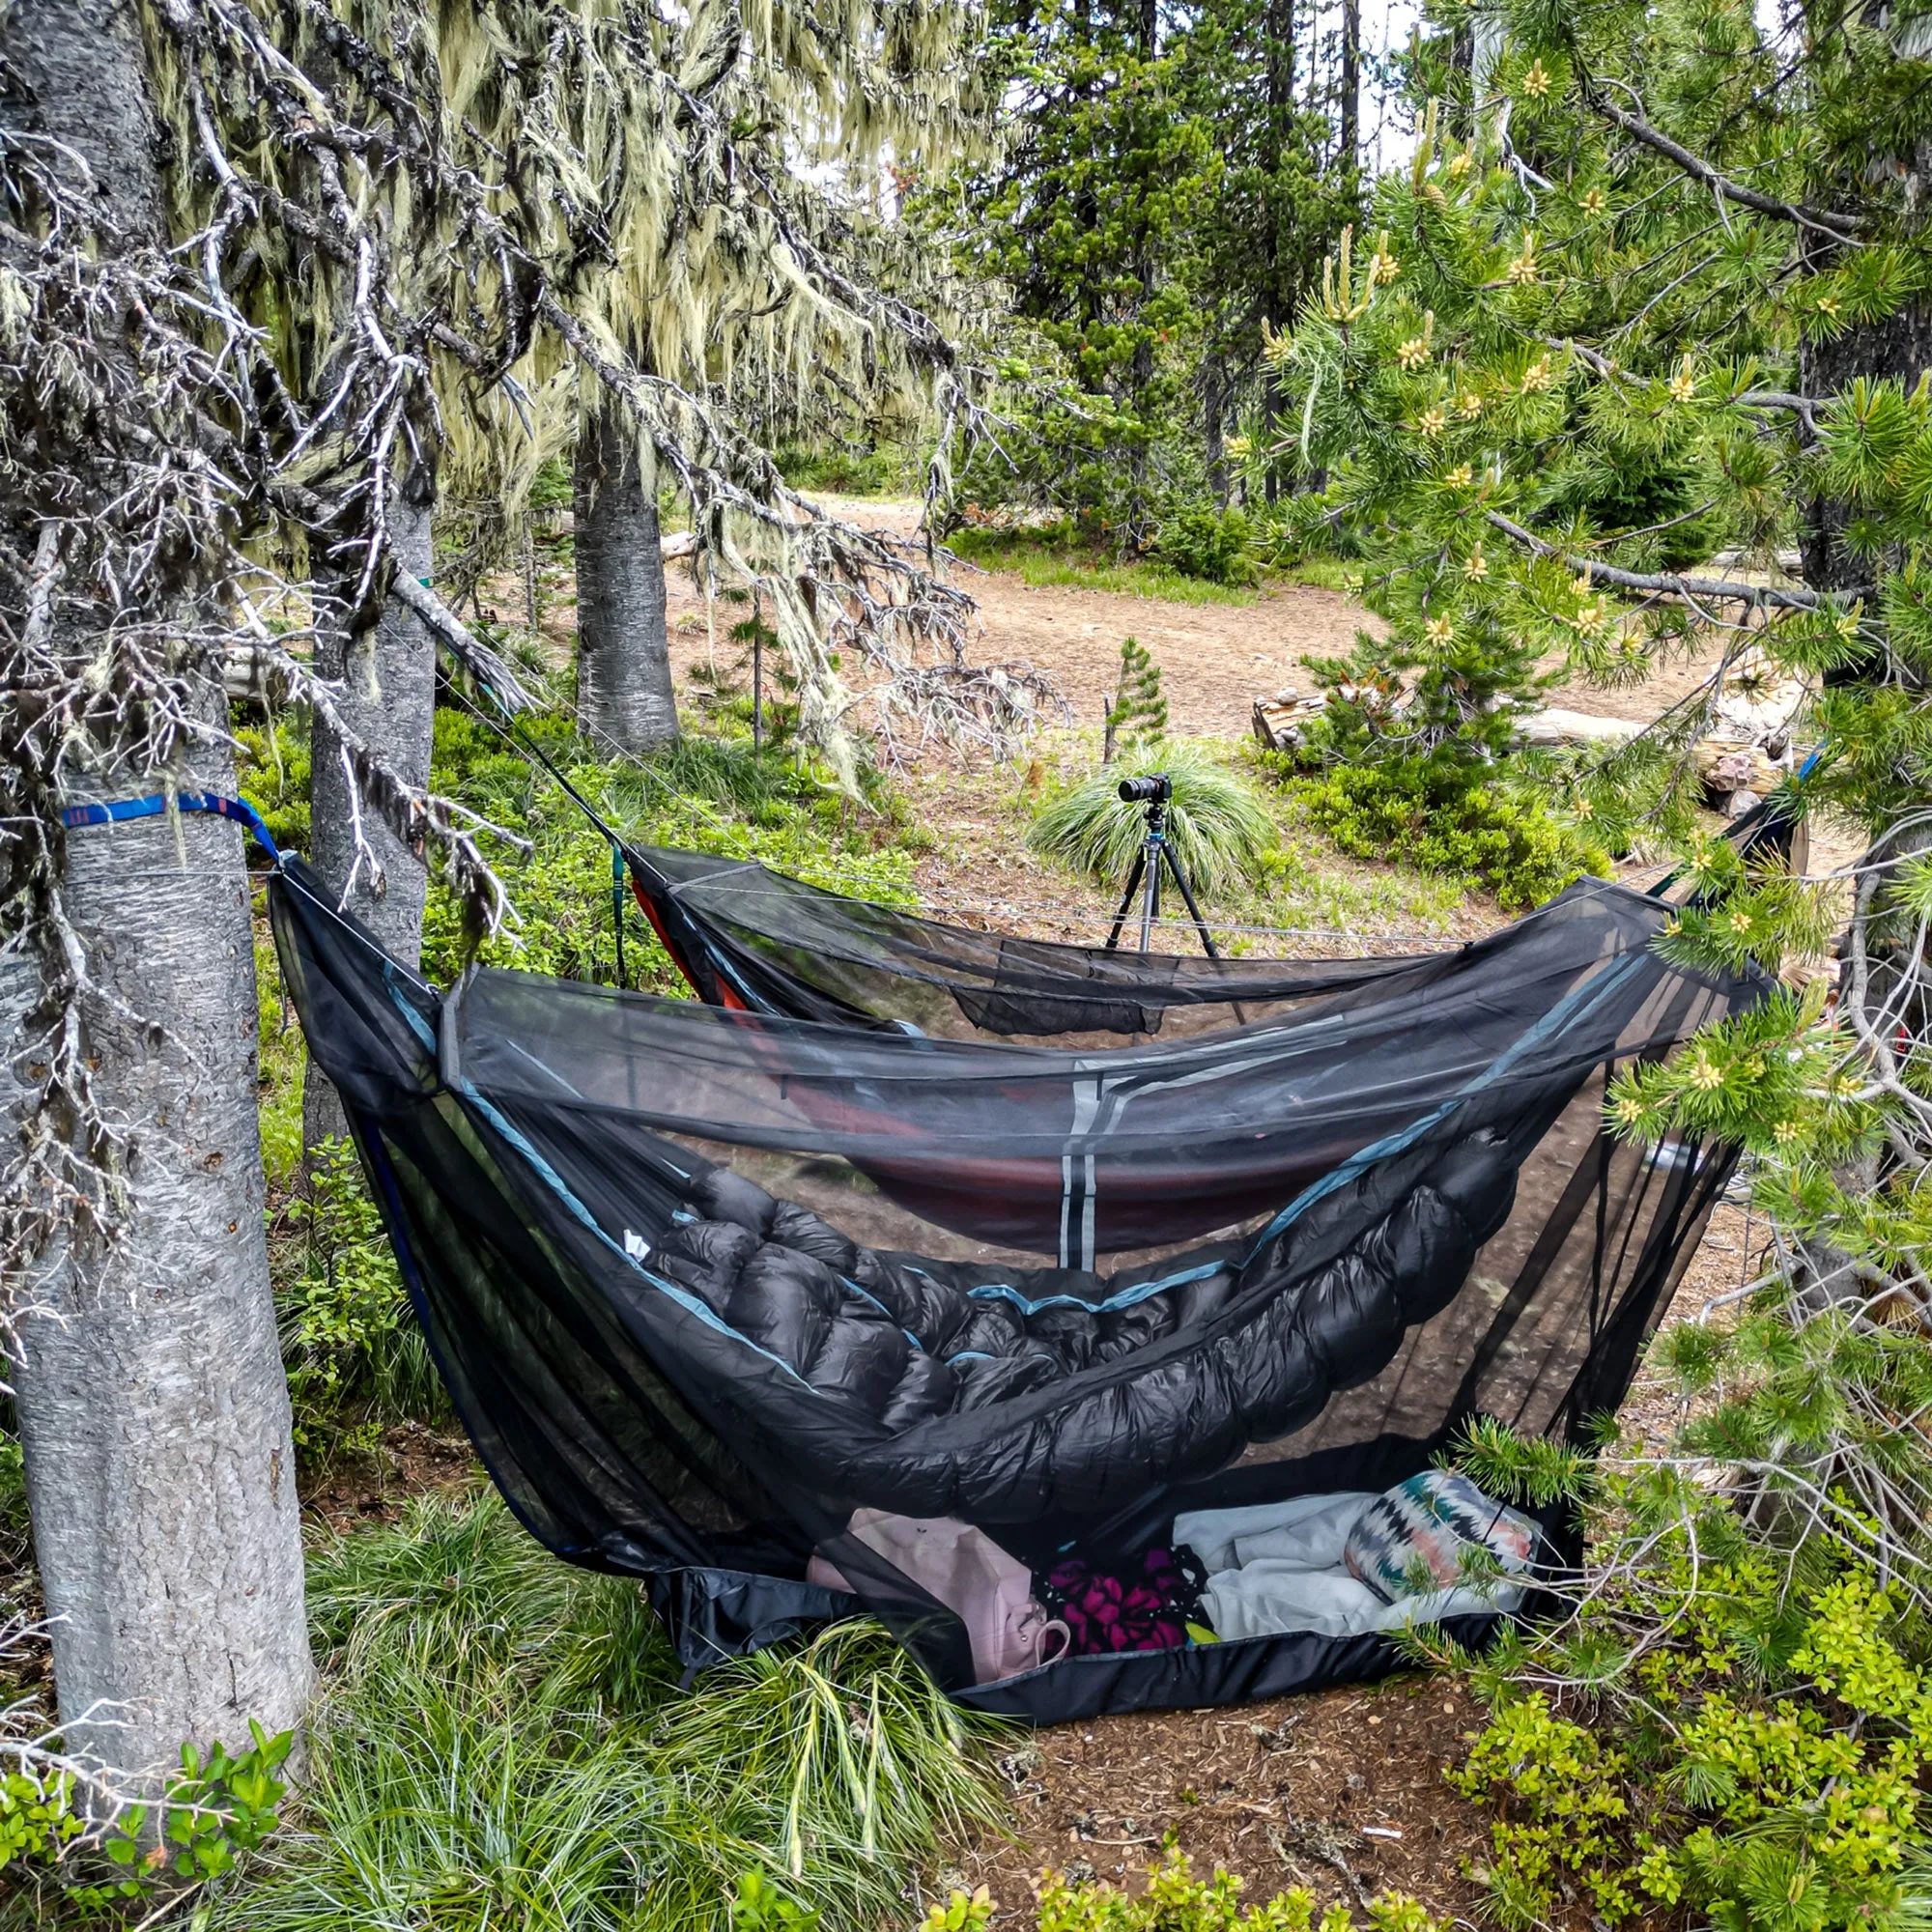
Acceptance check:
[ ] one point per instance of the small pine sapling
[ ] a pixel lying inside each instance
(1137, 708)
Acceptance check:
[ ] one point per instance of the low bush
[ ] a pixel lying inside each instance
(1218, 546)
(882, 470)
(1173, 1900)
(1444, 818)
(1217, 824)
(1084, 555)
(1726, 1741)
(355, 1358)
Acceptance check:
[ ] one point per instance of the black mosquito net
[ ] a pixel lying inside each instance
(735, 1301)
(746, 937)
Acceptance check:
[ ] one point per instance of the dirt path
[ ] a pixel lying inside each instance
(1215, 657)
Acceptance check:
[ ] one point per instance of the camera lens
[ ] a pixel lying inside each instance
(1154, 788)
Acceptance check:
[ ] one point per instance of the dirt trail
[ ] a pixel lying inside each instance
(1215, 657)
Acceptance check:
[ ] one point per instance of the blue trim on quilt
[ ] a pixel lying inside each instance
(1126, 1298)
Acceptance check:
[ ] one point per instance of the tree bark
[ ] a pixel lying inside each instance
(152, 1405)
(1351, 86)
(386, 671)
(1277, 303)
(1214, 404)
(1899, 347)
(623, 653)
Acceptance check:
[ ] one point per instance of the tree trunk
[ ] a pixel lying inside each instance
(151, 1400)
(386, 671)
(1213, 404)
(1899, 347)
(1351, 86)
(623, 654)
(1277, 300)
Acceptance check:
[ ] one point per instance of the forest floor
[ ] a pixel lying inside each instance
(1343, 1791)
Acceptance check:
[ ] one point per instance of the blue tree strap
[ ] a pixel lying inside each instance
(244, 814)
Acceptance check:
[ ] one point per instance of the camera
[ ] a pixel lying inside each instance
(1156, 789)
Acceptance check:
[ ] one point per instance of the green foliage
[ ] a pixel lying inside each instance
(1080, 556)
(1164, 208)
(1176, 1901)
(1201, 541)
(761, 1906)
(217, 1808)
(271, 769)
(38, 1819)
(1536, 1470)
(706, 793)
(354, 1356)
(1138, 710)
(1217, 825)
(14, 1524)
(880, 469)
(505, 1742)
(1441, 817)
(1756, 1760)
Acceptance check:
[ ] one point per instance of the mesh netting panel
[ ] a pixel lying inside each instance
(747, 937)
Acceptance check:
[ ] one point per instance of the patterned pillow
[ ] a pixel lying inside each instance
(1410, 1541)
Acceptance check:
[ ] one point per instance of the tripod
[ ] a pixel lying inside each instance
(1155, 853)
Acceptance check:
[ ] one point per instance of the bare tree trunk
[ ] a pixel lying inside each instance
(1351, 85)
(1277, 306)
(623, 653)
(151, 1399)
(388, 676)
(1214, 404)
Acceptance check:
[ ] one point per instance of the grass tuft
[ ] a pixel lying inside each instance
(1218, 825)
(502, 1742)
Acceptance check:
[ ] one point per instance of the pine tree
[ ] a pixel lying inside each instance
(1662, 298)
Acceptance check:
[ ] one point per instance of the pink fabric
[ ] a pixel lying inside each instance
(989, 1592)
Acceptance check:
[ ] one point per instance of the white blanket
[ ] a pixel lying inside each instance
(1278, 1567)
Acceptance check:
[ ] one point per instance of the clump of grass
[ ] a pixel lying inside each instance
(1218, 825)
(502, 1742)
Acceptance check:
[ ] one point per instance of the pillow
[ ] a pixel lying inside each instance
(1411, 1540)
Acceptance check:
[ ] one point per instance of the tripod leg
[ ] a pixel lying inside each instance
(1128, 898)
(1151, 898)
(1187, 894)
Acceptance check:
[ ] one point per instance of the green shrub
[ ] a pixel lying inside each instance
(271, 769)
(1176, 1901)
(881, 470)
(1440, 817)
(1756, 1764)
(1201, 541)
(1218, 826)
(1138, 709)
(354, 1356)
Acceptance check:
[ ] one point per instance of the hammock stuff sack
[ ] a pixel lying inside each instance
(1077, 1368)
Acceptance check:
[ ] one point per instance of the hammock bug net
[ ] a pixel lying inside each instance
(746, 1304)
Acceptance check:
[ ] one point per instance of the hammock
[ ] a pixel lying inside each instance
(704, 1283)
(753, 939)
